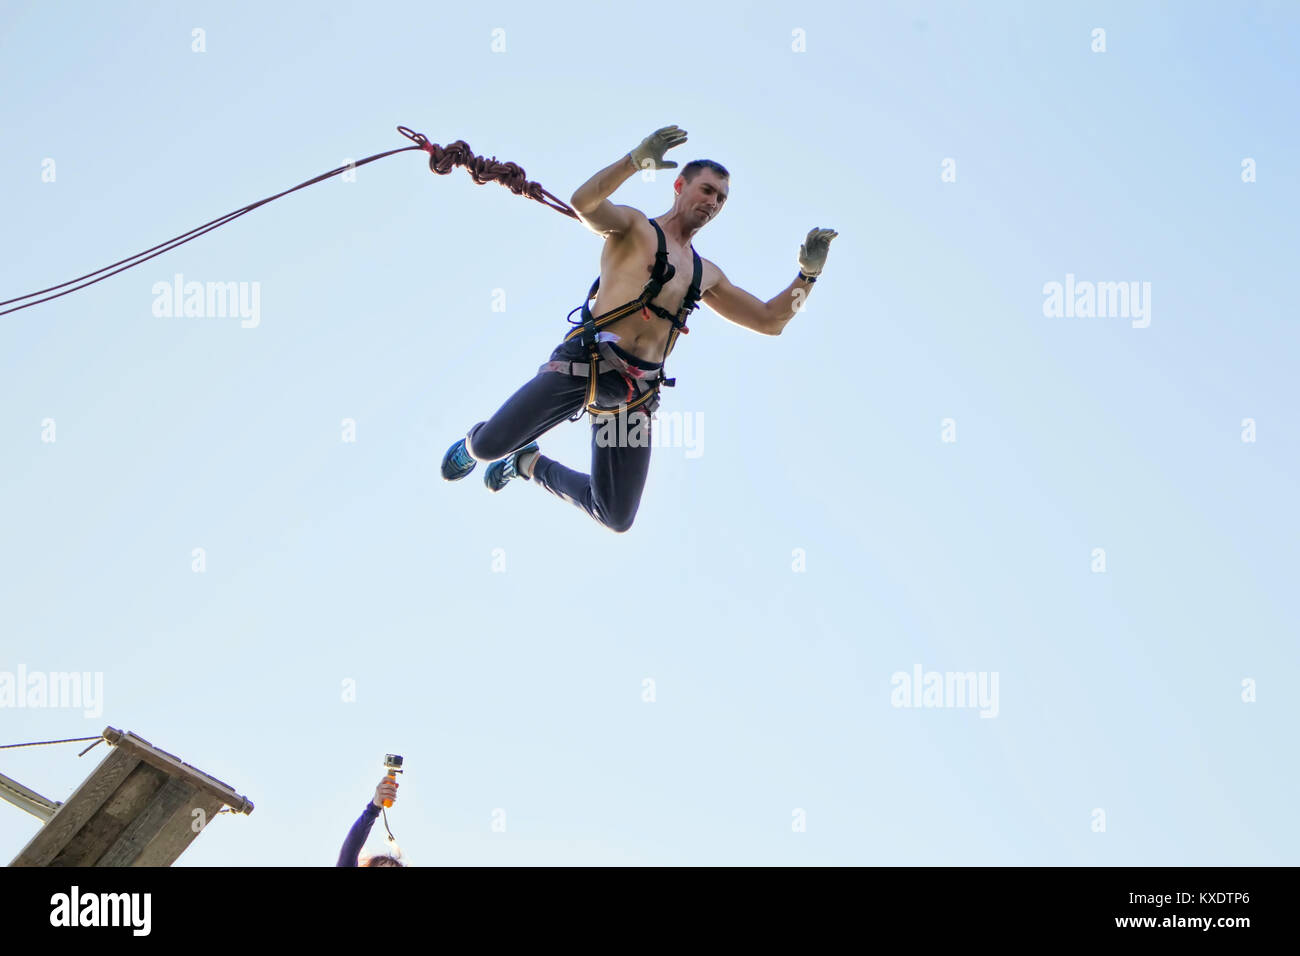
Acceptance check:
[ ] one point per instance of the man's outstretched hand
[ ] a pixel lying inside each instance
(650, 154)
(812, 254)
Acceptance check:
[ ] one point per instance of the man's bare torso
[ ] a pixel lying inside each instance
(625, 265)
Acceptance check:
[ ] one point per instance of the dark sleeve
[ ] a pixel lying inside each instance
(357, 836)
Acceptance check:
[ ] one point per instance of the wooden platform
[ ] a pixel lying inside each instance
(136, 809)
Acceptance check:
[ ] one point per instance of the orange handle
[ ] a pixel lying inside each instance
(387, 802)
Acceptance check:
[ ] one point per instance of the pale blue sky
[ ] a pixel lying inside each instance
(329, 561)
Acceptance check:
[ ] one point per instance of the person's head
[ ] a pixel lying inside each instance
(701, 190)
(383, 859)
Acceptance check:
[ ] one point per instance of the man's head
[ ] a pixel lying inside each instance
(701, 190)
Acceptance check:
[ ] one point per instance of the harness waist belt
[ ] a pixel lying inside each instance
(610, 361)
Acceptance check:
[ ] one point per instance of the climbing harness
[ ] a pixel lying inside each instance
(441, 161)
(642, 384)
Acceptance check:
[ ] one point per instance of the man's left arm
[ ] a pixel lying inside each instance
(769, 318)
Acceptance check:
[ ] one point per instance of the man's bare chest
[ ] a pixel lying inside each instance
(625, 272)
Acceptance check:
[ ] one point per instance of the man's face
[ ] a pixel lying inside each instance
(703, 197)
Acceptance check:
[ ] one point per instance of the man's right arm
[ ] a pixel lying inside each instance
(591, 200)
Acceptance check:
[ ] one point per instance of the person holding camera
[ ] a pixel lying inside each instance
(350, 854)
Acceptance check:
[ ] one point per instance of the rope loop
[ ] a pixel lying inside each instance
(419, 139)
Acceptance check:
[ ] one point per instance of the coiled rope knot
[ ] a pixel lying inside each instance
(443, 159)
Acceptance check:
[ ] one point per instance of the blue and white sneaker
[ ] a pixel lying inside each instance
(458, 462)
(499, 472)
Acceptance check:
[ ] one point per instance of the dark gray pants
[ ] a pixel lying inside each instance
(620, 444)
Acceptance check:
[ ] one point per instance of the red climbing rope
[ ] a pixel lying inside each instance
(441, 161)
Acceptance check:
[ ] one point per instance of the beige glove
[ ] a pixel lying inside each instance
(650, 154)
(812, 254)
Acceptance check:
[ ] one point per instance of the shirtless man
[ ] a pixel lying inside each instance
(607, 364)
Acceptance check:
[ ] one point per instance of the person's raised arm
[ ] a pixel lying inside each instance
(770, 318)
(356, 839)
(591, 200)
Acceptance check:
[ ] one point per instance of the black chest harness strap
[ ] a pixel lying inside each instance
(603, 359)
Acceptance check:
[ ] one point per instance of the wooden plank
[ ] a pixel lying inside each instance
(173, 795)
(179, 832)
(102, 830)
(81, 806)
(134, 809)
(176, 767)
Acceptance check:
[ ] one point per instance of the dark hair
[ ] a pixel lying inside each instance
(691, 169)
(383, 859)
